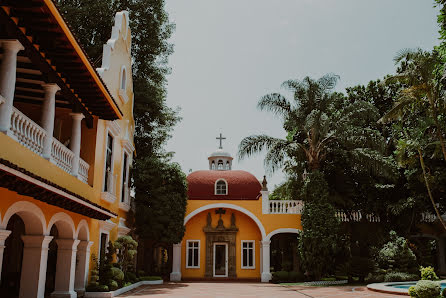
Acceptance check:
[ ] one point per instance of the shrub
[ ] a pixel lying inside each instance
(425, 289)
(150, 278)
(443, 293)
(112, 285)
(130, 277)
(280, 276)
(127, 284)
(295, 276)
(397, 255)
(375, 277)
(428, 273)
(399, 276)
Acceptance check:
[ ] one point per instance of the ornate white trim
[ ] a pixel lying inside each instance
(122, 228)
(128, 146)
(35, 222)
(113, 127)
(124, 206)
(283, 230)
(106, 225)
(108, 197)
(65, 230)
(83, 224)
(229, 206)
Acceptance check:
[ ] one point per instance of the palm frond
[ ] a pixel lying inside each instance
(256, 144)
(405, 54)
(275, 103)
(328, 81)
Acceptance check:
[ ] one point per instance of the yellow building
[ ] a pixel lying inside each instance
(66, 147)
(229, 224)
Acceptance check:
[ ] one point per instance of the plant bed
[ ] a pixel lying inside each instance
(122, 290)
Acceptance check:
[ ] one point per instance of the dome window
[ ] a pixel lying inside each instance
(221, 187)
(228, 165)
(213, 165)
(220, 165)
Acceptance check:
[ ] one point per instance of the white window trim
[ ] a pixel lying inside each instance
(187, 254)
(112, 128)
(124, 205)
(104, 228)
(215, 187)
(253, 254)
(123, 91)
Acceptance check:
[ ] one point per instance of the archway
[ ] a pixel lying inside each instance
(12, 258)
(35, 244)
(82, 257)
(50, 280)
(63, 245)
(283, 250)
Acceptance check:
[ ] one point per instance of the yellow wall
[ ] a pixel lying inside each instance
(248, 230)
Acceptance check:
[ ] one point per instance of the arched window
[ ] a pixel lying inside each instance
(221, 187)
(123, 78)
(228, 165)
(213, 165)
(220, 165)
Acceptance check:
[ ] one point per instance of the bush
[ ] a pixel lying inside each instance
(150, 278)
(443, 293)
(399, 276)
(96, 288)
(425, 289)
(295, 276)
(112, 285)
(375, 277)
(396, 255)
(280, 276)
(428, 273)
(130, 277)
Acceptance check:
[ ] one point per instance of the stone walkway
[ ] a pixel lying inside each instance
(254, 290)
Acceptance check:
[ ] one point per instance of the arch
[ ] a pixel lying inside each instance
(281, 231)
(229, 206)
(31, 215)
(123, 78)
(64, 224)
(83, 232)
(226, 186)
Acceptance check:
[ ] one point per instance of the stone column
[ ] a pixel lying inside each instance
(75, 144)
(48, 115)
(265, 201)
(3, 235)
(35, 257)
(83, 263)
(8, 67)
(65, 267)
(266, 275)
(176, 263)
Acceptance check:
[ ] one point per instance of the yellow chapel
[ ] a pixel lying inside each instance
(229, 224)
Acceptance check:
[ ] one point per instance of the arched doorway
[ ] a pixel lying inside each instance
(12, 258)
(284, 252)
(51, 263)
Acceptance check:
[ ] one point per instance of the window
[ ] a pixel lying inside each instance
(228, 166)
(248, 254)
(108, 164)
(193, 254)
(221, 187)
(123, 78)
(103, 245)
(213, 165)
(220, 165)
(125, 177)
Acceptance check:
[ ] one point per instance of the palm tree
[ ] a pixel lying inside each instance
(315, 119)
(421, 72)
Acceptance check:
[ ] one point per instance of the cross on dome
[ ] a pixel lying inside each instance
(221, 138)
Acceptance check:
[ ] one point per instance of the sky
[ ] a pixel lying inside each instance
(229, 53)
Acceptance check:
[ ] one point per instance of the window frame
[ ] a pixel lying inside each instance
(253, 254)
(187, 254)
(215, 187)
(113, 149)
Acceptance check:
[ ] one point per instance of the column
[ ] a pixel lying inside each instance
(82, 265)
(176, 263)
(75, 143)
(3, 235)
(35, 257)
(8, 68)
(266, 275)
(265, 201)
(65, 268)
(48, 115)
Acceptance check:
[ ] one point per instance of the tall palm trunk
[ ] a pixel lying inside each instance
(426, 181)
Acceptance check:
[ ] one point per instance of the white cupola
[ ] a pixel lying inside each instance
(220, 160)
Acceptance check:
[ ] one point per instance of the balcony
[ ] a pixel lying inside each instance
(32, 136)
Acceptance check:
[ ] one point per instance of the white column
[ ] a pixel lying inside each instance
(176, 263)
(3, 235)
(265, 201)
(35, 257)
(266, 275)
(8, 67)
(48, 115)
(82, 265)
(75, 143)
(65, 268)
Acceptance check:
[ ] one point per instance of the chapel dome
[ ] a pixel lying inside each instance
(241, 185)
(220, 153)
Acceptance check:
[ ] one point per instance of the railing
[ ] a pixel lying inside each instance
(428, 217)
(356, 216)
(285, 207)
(62, 156)
(27, 132)
(32, 136)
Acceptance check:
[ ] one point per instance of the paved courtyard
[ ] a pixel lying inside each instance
(257, 290)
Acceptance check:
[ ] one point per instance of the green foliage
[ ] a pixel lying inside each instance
(428, 273)
(149, 278)
(130, 277)
(280, 276)
(113, 285)
(425, 289)
(399, 276)
(443, 292)
(125, 248)
(396, 255)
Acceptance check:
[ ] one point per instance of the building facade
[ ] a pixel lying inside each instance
(229, 223)
(66, 149)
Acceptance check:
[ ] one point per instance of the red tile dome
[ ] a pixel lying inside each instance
(242, 185)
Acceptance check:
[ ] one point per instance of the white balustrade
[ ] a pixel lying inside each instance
(27, 132)
(32, 136)
(428, 217)
(285, 207)
(62, 156)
